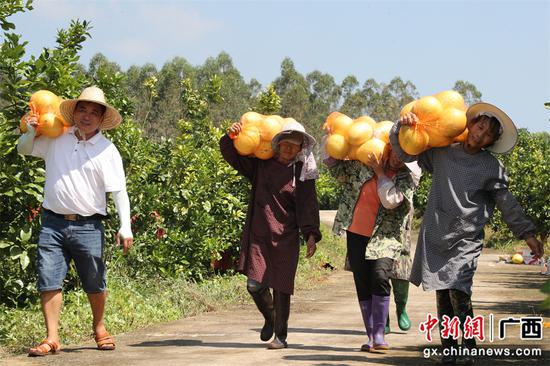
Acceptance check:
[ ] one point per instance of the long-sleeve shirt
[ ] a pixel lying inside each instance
(390, 236)
(465, 189)
(281, 206)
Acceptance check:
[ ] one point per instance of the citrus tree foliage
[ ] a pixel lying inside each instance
(187, 203)
(329, 190)
(22, 178)
(528, 167)
(268, 102)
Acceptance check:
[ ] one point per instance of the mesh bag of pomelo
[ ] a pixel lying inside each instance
(355, 139)
(441, 121)
(256, 134)
(44, 105)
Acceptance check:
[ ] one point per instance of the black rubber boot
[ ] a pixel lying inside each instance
(445, 307)
(264, 302)
(282, 312)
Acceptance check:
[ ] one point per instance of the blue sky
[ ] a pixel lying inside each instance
(502, 47)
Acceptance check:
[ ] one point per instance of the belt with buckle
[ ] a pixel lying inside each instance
(75, 217)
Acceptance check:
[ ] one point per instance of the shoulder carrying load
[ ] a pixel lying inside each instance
(44, 105)
(257, 133)
(355, 139)
(442, 121)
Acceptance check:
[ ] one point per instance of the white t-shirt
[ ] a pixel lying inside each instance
(79, 173)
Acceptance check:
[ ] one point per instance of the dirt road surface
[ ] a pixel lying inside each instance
(325, 328)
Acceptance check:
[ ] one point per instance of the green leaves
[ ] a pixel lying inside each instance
(22, 178)
(528, 167)
(11, 7)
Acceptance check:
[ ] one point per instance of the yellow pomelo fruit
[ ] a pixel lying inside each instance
(23, 123)
(427, 109)
(45, 101)
(359, 132)
(462, 137)
(382, 130)
(413, 139)
(452, 122)
(436, 139)
(269, 126)
(352, 154)
(368, 119)
(451, 99)
(327, 126)
(264, 151)
(373, 146)
(251, 119)
(406, 109)
(517, 258)
(341, 125)
(50, 125)
(247, 141)
(279, 119)
(337, 146)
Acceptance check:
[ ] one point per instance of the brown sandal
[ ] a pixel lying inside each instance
(45, 347)
(105, 342)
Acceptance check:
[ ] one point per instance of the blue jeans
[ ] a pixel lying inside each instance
(60, 241)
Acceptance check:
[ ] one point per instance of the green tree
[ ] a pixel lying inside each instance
(141, 87)
(234, 92)
(168, 108)
(21, 178)
(324, 97)
(528, 166)
(292, 87)
(268, 102)
(99, 64)
(468, 91)
(354, 102)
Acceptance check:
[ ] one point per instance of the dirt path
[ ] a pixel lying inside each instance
(325, 328)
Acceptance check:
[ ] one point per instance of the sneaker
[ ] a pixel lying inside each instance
(277, 344)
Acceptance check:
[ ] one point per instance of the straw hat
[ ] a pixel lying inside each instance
(509, 135)
(287, 133)
(111, 117)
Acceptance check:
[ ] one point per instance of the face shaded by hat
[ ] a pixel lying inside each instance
(294, 137)
(293, 132)
(111, 117)
(307, 142)
(508, 134)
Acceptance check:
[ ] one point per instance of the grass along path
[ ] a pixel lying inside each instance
(136, 303)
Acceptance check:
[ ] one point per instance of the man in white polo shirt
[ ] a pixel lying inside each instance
(81, 167)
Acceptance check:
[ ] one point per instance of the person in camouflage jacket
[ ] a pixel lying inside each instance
(379, 245)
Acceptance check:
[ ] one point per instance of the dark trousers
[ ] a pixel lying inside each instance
(454, 303)
(371, 277)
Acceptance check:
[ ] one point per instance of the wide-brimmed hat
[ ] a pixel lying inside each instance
(111, 117)
(509, 135)
(289, 129)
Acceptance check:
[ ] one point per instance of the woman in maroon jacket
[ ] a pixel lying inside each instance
(283, 203)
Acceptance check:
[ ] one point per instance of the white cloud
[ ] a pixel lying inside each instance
(174, 21)
(58, 10)
(130, 29)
